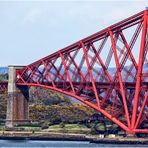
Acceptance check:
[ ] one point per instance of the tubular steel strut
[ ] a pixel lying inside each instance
(102, 71)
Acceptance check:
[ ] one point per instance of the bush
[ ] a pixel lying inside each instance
(62, 125)
(45, 127)
(55, 114)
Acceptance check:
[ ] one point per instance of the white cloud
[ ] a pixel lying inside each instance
(119, 12)
(32, 16)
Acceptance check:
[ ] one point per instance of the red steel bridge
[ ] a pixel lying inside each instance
(3, 86)
(107, 71)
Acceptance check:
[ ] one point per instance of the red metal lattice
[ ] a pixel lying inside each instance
(3, 86)
(108, 71)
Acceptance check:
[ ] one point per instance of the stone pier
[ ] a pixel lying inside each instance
(17, 101)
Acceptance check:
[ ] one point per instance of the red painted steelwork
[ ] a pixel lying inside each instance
(3, 86)
(102, 71)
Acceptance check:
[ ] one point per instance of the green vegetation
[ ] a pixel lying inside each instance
(28, 128)
(69, 128)
(4, 77)
(48, 109)
(53, 112)
(3, 106)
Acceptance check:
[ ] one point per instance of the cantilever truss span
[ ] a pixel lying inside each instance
(108, 71)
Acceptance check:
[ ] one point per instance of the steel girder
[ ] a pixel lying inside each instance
(3, 86)
(108, 71)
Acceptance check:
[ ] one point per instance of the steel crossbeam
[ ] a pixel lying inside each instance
(3, 86)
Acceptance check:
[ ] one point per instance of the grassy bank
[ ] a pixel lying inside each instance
(66, 128)
(69, 128)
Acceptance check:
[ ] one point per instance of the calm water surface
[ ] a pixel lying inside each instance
(34, 143)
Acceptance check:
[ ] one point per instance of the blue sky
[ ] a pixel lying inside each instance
(30, 30)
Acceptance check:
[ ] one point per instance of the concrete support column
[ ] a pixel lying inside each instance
(17, 101)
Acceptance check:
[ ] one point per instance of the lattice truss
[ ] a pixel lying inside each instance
(3, 86)
(107, 71)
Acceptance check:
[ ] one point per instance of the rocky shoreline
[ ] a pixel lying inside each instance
(72, 137)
